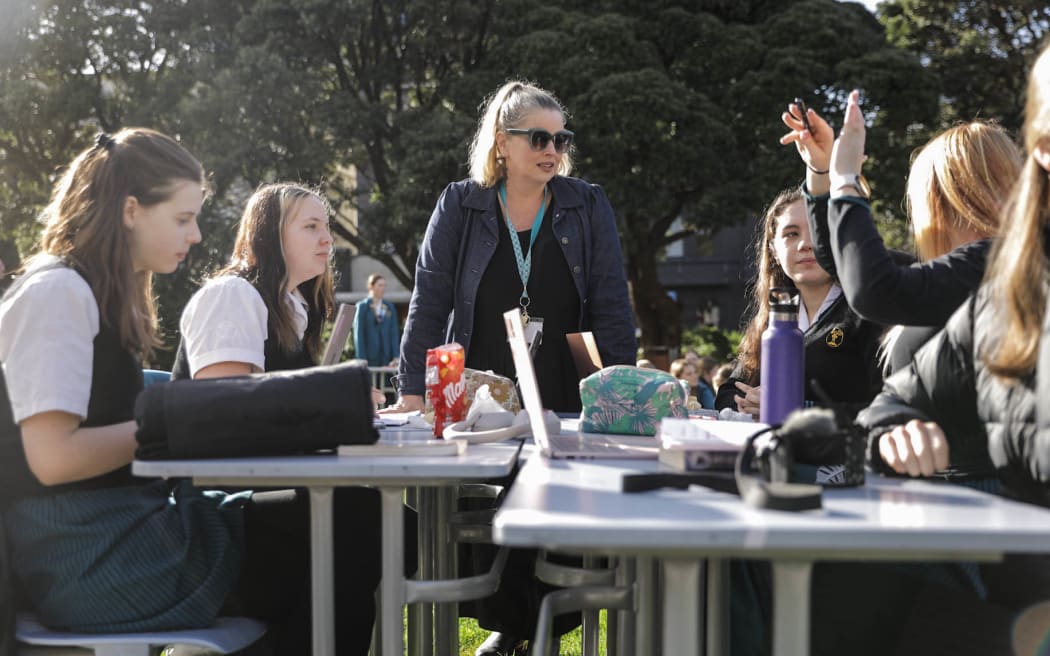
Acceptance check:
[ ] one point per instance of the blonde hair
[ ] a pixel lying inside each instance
(961, 178)
(1017, 271)
(258, 257)
(84, 223)
(507, 108)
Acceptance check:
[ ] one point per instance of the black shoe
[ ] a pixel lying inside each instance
(502, 644)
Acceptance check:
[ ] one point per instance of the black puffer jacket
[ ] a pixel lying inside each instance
(992, 427)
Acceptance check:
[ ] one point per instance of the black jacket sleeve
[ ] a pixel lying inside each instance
(878, 289)
(939, 385)
(817, 216)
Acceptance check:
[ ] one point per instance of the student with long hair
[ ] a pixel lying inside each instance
(264, 311)
(956, 188)
(92, 547)
(840, 347)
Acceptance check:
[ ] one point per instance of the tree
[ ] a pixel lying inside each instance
(677, 108)
(980, 51)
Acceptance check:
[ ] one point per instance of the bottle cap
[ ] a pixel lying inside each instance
(783, 299)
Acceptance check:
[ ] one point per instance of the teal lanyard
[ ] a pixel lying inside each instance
(524, 263)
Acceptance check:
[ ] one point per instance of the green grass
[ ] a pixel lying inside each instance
(471, 635)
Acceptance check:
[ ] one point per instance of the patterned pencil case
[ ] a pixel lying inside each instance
(627, 400)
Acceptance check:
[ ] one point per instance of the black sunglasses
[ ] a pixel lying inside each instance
(539, 138)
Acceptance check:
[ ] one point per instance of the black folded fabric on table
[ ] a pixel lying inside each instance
(278, 413)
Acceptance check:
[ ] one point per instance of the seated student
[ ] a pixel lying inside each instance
(840, 347)
(94, 548)
(264, 312)
(956, 188)
(973, 398)
(705, 369)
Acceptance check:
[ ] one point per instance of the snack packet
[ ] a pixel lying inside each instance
(445, 385)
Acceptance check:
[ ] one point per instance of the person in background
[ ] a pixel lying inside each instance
(376, 333)
(683, 369)
(645, 364)
(264, 312)
(519, 233)
(705, 388)
(957, 185)
(722, 374)
(840, 347)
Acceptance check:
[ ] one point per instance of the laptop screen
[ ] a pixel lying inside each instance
(529, 387)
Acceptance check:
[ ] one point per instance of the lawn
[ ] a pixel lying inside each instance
(471, 635)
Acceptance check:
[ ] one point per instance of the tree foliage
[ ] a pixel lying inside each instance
(675, 104)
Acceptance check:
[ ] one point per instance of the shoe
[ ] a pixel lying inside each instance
(502, 644)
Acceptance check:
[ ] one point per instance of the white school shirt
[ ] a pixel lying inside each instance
(48, 326)
(226, 321)
(803, 319)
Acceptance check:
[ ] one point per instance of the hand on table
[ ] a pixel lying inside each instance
(406, 403)
(751, 400)
(918, 448)
(378, 398)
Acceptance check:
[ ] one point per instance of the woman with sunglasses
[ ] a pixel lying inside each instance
(518, 233)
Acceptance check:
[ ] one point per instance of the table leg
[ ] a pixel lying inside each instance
(446, 615)
(392, 586)
(717, 605)
(421, 615)
(791, 607)
(321, 571)
(591, 623)
(646, 582)
(683, 625)
(625, 576)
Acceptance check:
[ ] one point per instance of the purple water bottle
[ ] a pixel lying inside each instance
(783, 360)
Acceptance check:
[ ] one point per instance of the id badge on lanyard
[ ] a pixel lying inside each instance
(534, 335)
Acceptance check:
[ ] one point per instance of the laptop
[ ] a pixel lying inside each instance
(570, 443)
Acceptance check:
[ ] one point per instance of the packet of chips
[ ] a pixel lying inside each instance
(445, 385)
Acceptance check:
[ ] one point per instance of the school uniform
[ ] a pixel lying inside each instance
(114, 553)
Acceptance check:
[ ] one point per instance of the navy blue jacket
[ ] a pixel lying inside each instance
(459, 243)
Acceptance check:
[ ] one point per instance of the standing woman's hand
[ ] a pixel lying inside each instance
(813, 145)
(847, 155)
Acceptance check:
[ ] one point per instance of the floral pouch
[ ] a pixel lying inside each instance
(628, 400)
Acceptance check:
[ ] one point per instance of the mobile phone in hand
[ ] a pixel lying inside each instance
(801, 104)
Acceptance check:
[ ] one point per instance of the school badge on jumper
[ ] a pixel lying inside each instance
(835, 337)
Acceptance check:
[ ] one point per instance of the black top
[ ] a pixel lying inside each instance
(116, 379)
(274, 359)
(877, 287)
(552, 297)
(840, 353)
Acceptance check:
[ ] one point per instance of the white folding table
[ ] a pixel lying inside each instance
(320, 474)
(577, 506)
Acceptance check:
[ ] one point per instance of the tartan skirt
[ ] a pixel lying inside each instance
(159, 556)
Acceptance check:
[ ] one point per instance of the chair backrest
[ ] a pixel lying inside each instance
(344, 321)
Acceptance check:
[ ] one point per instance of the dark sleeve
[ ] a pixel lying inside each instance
(359, 332)
(434, 291)
(608, 302)
(878, 289)
(938, 385)
(817, 215)
(727, 390)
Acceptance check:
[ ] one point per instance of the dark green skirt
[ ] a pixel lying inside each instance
(160, 556)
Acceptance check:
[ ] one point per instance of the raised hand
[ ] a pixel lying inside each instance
(814, 145)
(847, 155)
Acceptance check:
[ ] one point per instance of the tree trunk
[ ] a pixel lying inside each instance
(658, 315)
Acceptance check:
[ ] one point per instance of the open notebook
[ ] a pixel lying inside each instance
(573, 443)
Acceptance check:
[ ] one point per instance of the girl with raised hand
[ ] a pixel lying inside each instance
(840, 347)
(956, 189)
